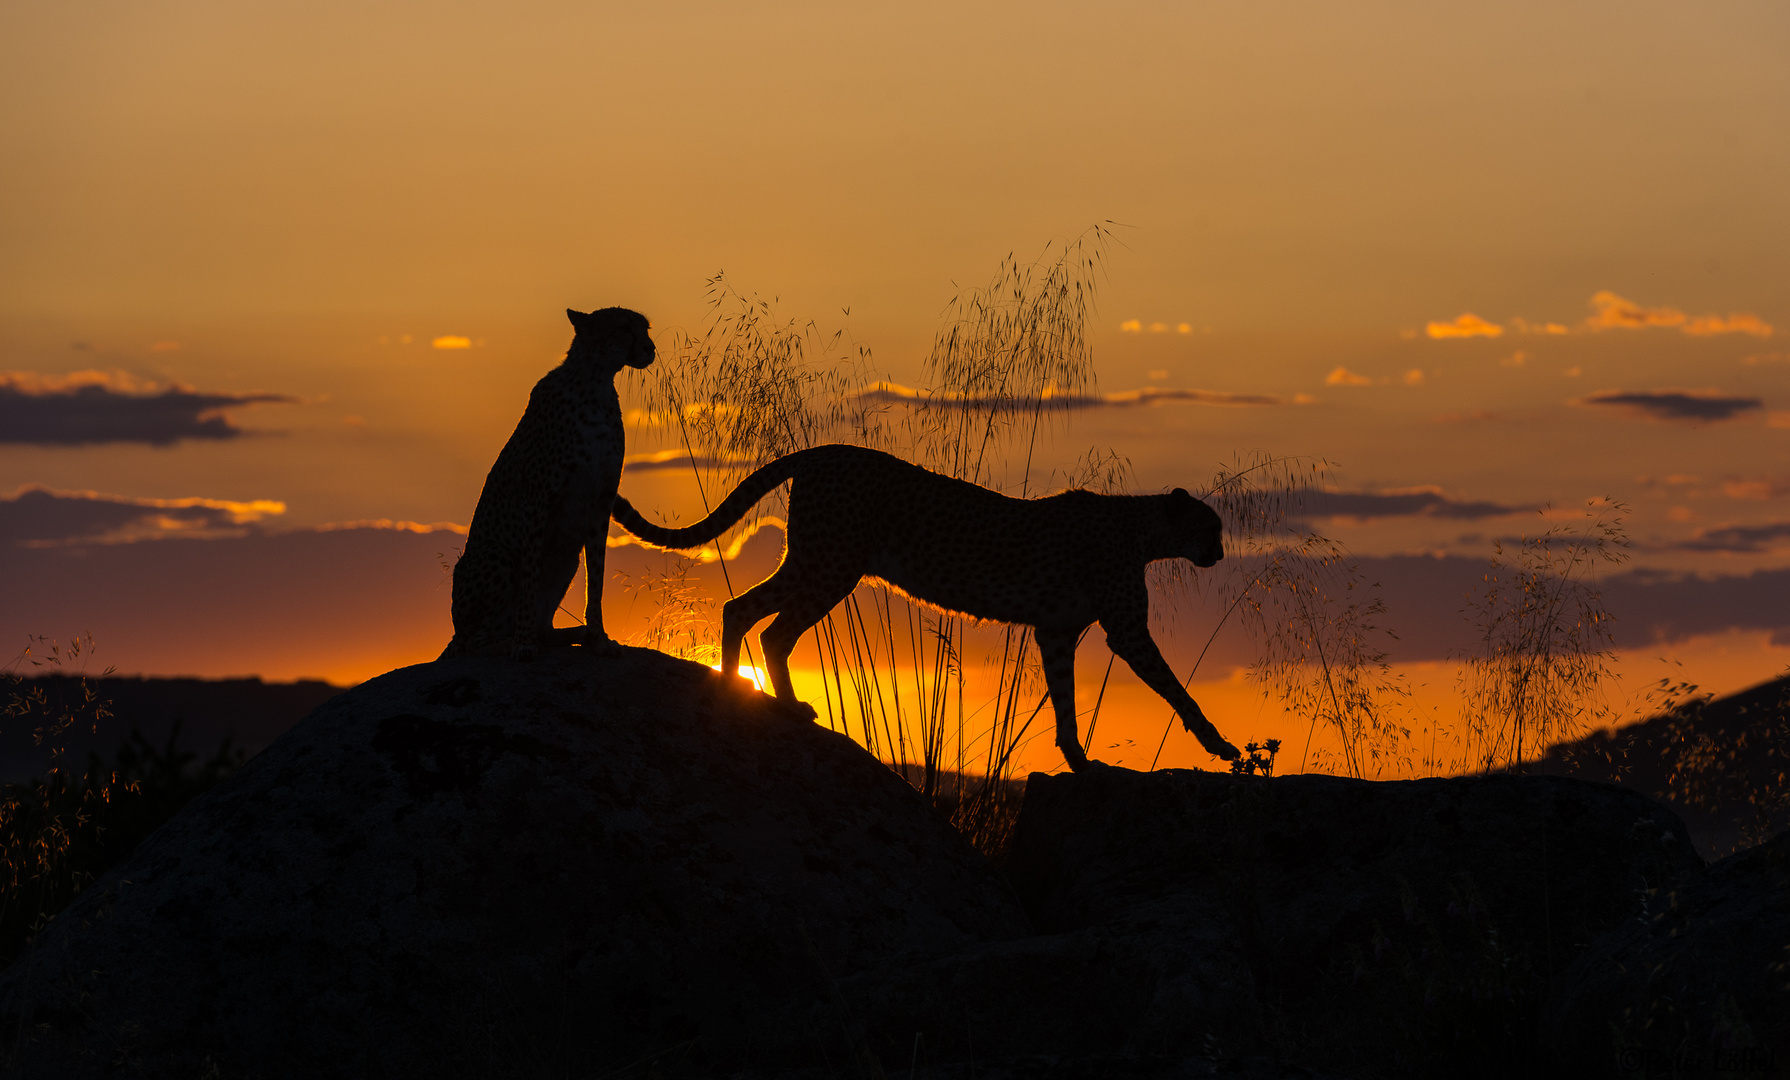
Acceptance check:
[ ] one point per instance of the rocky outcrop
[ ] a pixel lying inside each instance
(1404, 928)
(631, 866)
(1698, 984)
(478, 867)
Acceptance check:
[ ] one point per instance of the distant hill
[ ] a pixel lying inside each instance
(249, 712)
(1721, 764)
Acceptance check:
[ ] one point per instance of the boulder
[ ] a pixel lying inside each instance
(1390, 927)
(1696, 984)
(485, 868)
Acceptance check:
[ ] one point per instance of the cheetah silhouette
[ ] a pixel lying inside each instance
(1056, 564)
(547, 499)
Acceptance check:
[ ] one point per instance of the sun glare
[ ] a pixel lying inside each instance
(756, 675)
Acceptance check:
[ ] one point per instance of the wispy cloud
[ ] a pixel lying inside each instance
(1736, 539)
(895, 394)
(1711, 405)
(451, 341)
(1756, 489)
(1342, 376)
(676, 459)
(91, 407)
(1406, 502)
(1464, 325)
(1612, 312)
(1609, 312)
(36, 516)
(1138, 326)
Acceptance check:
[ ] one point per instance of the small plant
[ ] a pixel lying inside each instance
(1257, 758)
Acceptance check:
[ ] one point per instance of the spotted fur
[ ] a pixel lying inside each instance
(1057, 564)
(547, 499)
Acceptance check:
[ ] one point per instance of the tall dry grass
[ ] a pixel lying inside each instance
(1545, 647)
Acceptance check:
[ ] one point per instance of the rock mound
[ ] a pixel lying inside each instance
(477, 867)
(1365, 928)
(1697, 985)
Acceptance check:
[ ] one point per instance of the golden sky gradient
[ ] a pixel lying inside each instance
(1514, 256)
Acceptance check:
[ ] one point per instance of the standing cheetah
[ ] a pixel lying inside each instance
(1056, 564)
(547, 498)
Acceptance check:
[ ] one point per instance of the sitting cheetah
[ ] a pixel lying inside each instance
(547, 498)
(1055, 564)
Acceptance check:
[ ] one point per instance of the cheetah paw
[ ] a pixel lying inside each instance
(799, 711)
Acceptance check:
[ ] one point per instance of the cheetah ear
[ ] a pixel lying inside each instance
(577, 317)
(1182, 492)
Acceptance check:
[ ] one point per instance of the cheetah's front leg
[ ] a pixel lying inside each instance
(1129, 638)
(594, 638)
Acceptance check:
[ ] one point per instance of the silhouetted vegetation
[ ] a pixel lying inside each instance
(61, 831)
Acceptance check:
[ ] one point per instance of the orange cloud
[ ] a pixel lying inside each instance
(1738, 322)
(1414, 377)
(1617, 313)
(1465, 325)
(1131, 326)
(1342, 376)
(452, 341)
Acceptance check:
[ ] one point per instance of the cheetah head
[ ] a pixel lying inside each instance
(1196, 527)
(611, 337)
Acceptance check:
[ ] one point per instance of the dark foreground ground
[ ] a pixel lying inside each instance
(629, 868)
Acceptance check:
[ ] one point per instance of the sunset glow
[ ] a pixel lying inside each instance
(262, 337)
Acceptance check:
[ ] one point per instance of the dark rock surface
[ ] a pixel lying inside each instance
(633, 867)
(477, 867)
(1387, 927)
(1699, 985)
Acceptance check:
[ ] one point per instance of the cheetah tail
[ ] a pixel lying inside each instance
(731, 510)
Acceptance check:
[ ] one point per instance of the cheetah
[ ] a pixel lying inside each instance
(1056, 564)
(547, 498)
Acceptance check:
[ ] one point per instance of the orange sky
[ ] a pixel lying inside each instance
(1521, 255)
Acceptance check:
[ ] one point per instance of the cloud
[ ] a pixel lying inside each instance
(894, 394)
(1674, 404)
(1756, 489)
(1342, 376)
(1616, 313)
(91, 407)
(1411, 502)
(677, 459)
(451, 341)
(1131, 326)
(36, 516)
(1524, 326)
(1739, 322)
(1736, 539)
(1464, 325)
